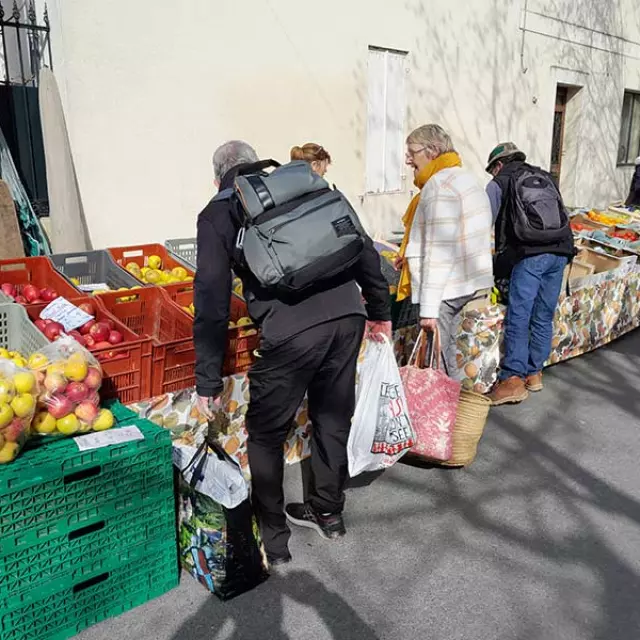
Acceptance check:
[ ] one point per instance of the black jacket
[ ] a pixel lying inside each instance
(509, 250)
(634, 192)
(279, 320)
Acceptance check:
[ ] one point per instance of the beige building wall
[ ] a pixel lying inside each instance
(151, 87)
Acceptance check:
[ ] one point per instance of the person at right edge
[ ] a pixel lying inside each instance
(308, 345)
(534, 243)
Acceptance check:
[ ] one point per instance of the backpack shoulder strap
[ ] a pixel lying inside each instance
(223, 195)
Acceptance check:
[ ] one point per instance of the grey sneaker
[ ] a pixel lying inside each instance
(328, 526)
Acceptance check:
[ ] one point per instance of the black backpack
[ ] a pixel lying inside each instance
(538, 215)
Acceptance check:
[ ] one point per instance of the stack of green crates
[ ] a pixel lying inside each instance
(85, 536)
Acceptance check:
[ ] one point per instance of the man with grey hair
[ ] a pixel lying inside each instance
(309, 344)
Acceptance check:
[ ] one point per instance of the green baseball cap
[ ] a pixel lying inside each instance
(504, 150)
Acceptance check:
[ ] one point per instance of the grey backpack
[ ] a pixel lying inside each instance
(538, 214)
(296, 231)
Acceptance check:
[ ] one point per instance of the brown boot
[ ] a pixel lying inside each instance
(534, 382)
(509, 391)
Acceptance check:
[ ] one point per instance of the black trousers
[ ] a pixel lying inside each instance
(321, 362)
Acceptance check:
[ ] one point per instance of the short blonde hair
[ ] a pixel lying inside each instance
(433, 138)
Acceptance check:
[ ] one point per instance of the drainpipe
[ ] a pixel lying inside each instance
(524, 33)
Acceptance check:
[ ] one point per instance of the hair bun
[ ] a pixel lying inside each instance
(297, 153)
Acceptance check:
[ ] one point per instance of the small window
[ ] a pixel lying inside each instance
(386, 109)
(629, 148)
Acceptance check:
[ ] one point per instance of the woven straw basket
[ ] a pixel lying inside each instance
(473, 410)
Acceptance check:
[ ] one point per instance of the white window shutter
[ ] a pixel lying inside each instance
(375, 121)
(394, 123)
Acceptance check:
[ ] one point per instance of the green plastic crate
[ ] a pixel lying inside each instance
(105, 594)
(105, 542)
(122, 414)
(17, 332)
(55, 488)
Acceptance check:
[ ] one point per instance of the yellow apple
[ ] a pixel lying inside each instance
(44, 422)
(20, 362)
(4, 354)
(179, 272)
(24, 382)
(68, 425)
(6, 415)
(76, 368)
(37, 361)
(7, 391)
(104, 420)
(155, 262)
(23, 405)
(9, 452)
(243, 322)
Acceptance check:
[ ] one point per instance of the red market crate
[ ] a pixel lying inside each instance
(140, 255)
(242, 341)
(126, 367)
(37, 271)
(150, 312)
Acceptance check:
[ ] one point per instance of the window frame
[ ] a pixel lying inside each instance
(635, 105)
(403, 174)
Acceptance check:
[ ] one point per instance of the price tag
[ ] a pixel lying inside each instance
(107, 438)
(67, 314)
(90, 288)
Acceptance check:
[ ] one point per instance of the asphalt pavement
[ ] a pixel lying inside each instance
(538, 540)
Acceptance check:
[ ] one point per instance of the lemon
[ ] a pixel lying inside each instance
(155, 262)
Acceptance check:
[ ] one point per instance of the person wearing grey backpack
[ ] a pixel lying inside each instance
(533, 244)
(313, 284)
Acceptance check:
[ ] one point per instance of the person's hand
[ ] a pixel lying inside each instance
(429, 324)
(207, 406)
(376, 330)
(398, 263)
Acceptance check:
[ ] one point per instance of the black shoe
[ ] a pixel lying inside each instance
(278, 561)
(328, 526)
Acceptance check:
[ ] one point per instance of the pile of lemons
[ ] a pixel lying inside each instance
(153, 273)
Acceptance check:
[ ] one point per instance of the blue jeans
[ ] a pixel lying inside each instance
(534, 290)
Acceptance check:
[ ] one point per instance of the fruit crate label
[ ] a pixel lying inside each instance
(107, 438)
(67, 314)
(90, 288)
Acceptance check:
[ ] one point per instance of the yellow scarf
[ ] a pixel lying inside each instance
(445, 161)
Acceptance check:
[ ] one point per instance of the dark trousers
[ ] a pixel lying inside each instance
(322, 363)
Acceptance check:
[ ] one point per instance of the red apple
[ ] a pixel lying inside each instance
(94, 378)
(37, 301)
(88, 308)
(89, 342)
(109, 324)
(77, 392)
(53, 330)
(59, 406)
(94, 398)
(78, 337)
(87, 411)
(30, 292)
(21, 300)
(102, 345)
(55, 383)
(115, 337)
(9, 290)
(41, 324)
(48, 295)
(100, 332)
(86, 327)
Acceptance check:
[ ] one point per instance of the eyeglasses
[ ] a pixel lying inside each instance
(412, 153)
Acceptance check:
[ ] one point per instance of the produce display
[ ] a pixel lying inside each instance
(624, 234)
(154, 272)
(69, 379)
(18, 392)
(28, 293)
(609, 219)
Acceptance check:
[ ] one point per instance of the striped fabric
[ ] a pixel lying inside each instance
(449, 250)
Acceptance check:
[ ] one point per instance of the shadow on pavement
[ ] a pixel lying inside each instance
(260, 614)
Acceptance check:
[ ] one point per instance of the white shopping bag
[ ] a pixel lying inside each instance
(217, 475)
(381, 431)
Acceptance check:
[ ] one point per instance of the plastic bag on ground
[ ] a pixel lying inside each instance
(69, 379)
(381, 431)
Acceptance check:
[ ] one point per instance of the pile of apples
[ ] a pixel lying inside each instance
(154, 273)
(18, 389)
(69, 402)
(29, 293)
(93, 335)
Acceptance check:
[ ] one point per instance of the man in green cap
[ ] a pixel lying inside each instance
(533, 244)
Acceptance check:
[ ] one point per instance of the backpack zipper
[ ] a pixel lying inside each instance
(303, 215)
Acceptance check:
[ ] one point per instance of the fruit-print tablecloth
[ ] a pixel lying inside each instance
(600, 308)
